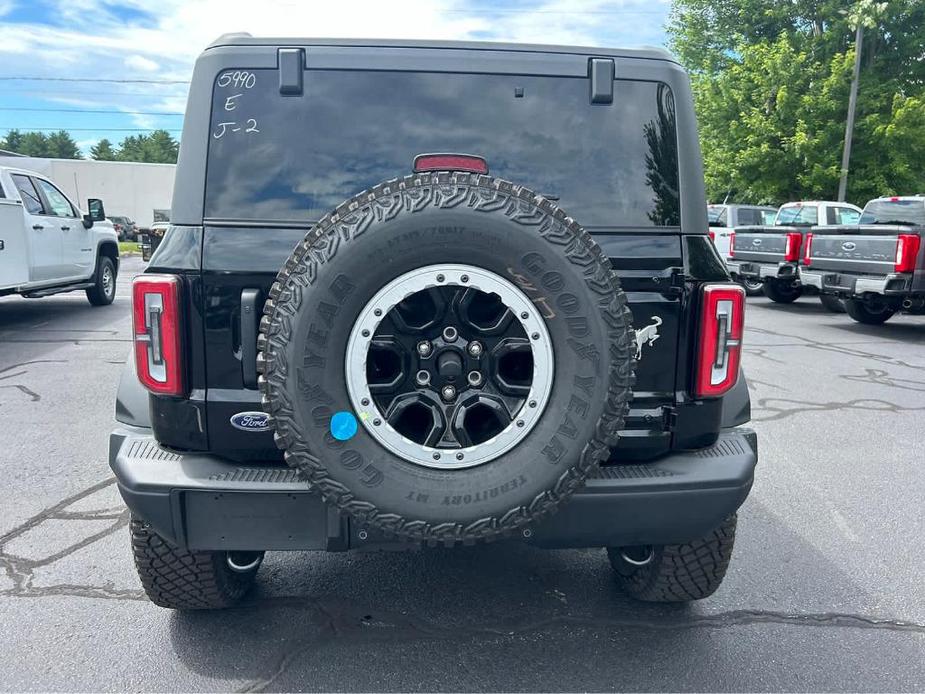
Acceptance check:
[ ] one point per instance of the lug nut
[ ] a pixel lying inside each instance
(422, 377)
(448, 393)
(450, 333)
(424, 348)
(475, 378)
(475, 349)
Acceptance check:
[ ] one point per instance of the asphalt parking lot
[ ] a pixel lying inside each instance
(825, 590)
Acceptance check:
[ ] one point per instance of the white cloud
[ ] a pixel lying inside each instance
(139, 62)
(94, 41)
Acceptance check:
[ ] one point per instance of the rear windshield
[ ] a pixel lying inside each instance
(905, 212)
(293, 158)
(755, 216)
(798, 214)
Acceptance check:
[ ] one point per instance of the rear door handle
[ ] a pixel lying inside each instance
(65, 228)
(37, 227)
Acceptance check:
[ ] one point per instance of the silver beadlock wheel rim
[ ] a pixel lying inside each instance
(435, 276)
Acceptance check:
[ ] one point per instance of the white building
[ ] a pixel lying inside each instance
(127, 189)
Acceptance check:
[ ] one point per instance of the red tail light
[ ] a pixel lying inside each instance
(808, 251)
(156, 318)
(712, 235)
(732, 244)
(722, 319)
(450, 162)
(907, 250)
(792, 249)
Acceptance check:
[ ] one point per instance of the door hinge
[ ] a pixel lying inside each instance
(669, 417)
(676, 283)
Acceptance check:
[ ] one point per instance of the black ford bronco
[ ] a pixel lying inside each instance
(433, 294)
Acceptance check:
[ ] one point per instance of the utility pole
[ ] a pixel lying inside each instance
(852, 105)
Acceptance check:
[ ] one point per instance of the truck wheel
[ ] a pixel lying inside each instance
(675, 573)
(781, 292)
(752, 287)
(446, 357)
(181, 579)
(870, 312)
(832, 303)
(103, 290)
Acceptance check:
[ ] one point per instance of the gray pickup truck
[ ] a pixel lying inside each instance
(876, 267)
(772, 254)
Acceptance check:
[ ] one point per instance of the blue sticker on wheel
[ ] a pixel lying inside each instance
(343, 426)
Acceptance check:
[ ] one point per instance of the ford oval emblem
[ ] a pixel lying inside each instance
(756, 242)
(849, 245)
(251, 421)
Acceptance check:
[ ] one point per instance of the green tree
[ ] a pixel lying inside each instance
(158, 147)
(62, 146)
(59, 145)
(103, 151)
(771, 81)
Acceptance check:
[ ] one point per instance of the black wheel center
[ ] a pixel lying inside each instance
(450, 367)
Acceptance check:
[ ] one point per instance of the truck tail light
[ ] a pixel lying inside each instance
(808, 250)
(722, 319)
(712, 235)
(907, 250)
(792, 247)
(732, 244)
(156, 331)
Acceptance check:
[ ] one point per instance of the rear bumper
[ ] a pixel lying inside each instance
(203, 502)
(751, 269)
(853, 285)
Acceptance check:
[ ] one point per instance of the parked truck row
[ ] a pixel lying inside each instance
(868, 263)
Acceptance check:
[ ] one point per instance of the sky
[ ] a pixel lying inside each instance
(136, 56)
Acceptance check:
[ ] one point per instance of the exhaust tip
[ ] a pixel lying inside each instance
(639, 555)
(242, 562)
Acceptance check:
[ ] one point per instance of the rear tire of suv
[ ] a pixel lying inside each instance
(751, 287)
(873, 312)
(781, 292)
(832, 303)
(182, 579)
(675, 573)
(103, 290)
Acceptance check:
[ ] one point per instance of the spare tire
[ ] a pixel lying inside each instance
(446, 357)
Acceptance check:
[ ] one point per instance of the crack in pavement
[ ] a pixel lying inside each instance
(835, 348)
(341, 623)
(752, 382)
(21, 570)
(27, 363)
(31, 393)
(806, 406)
(883, 378)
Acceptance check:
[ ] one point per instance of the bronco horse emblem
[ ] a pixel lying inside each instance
(648, 334)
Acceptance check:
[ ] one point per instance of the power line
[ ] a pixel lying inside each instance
(8, 78)
(29, 128)
(115, 112)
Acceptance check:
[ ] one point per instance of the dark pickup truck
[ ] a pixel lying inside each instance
(876, 267)
(434, 294)
(772, 254)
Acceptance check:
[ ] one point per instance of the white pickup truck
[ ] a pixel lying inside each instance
(48, 246)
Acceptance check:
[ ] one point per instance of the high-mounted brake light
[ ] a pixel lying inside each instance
(156, 319)
(808, 250)
(792, 247)
(732, 244)
(722, 319)
(450, 162)
(907, 250)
